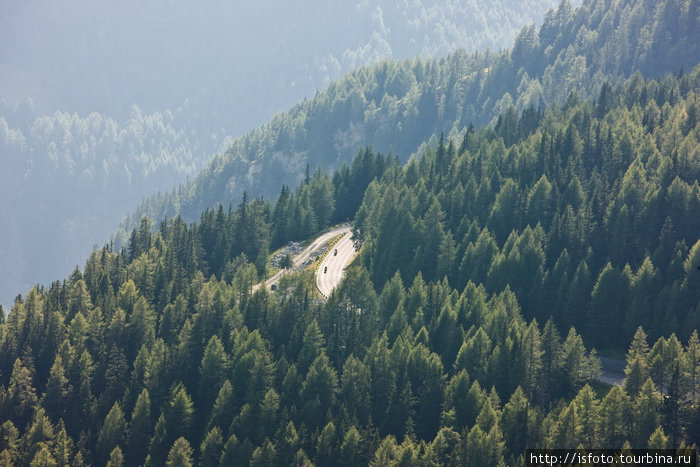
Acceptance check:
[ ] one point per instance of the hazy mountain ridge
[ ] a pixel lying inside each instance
(400, 105)
(47, 171)
(198, 73)
(295, 44)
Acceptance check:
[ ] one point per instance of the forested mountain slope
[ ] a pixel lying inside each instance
(491, 265)
(104, 104)
(161, 353)
(588, 212)
(400, 105)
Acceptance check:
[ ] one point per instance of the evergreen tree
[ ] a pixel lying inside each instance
(57, 390)
(319, 390)
(179, 413)
(139, 429)
(211, 447)
(326, 445)
(180, 454)
(212, 371)
(264, 455)
(351, 448)
(21, 399)
(112, 434)
(116, 458)
(288, 445)
(646, 408)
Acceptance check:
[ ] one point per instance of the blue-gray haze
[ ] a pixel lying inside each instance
(104, 103)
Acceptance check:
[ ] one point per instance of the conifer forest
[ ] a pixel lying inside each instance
(520, 218)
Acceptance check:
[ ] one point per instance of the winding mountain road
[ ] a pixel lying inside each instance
(332, 269)
(305, 254)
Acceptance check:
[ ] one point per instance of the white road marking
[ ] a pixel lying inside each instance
(332, 269)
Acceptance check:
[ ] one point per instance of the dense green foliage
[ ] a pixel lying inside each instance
(490, 265)
(588, 212)
(162, 353)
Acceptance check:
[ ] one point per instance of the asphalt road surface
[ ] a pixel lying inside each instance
(612, 378)
(332, 269)
(304, 255)
(612, 371)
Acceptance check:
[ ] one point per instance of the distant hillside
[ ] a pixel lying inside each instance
(399, 105)
(256, 57)
(105, 103)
